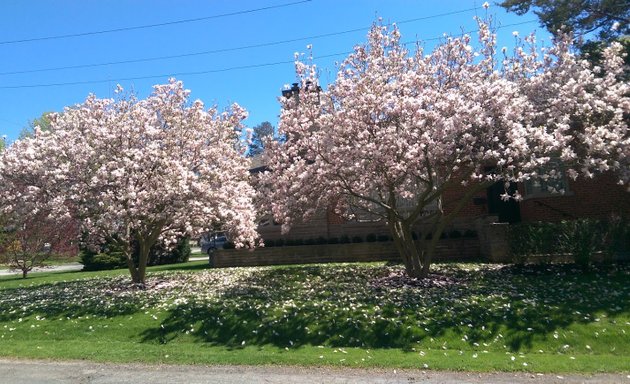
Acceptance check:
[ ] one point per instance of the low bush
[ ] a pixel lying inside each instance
(100, 261)
(383, 238)
(160, 255)
(580, 238)
(110, 257)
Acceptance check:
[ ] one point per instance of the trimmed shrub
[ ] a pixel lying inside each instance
(93, 261)
(160, 255)
(580, 238)
(344, 239)
(110, 257)
(370, 238)
(357, 239)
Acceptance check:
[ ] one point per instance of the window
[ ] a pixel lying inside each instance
(553, 183)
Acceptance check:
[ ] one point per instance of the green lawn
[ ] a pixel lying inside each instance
(470, 317)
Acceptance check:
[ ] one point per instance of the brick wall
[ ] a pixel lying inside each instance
(587, 198)
(594, 198)
(452, 196)
(451, 250)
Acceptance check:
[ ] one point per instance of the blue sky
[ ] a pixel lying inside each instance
(214, 77)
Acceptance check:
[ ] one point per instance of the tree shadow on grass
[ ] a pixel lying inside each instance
(352, 306)
(104, 297)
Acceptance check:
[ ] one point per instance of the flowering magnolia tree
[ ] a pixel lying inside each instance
(137, 171)
(397, 129)
(31, 239)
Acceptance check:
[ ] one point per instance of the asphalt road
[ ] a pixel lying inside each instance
(77, 267)
(83, 372)
(56, 268)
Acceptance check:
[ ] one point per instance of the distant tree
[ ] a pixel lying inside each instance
(261, 132)
(43, 122)
(31, 239)
(608, 19)
(595, 23)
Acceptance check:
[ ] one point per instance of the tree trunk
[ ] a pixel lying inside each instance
(138, 273)
(24, 273)
(143, 258)
(145, 241)
(416, 263)
(133, 270)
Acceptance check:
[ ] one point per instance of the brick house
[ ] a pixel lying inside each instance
(597, 198)
(485, 214)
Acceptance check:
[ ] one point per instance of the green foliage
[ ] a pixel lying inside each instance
(583, 17)
(43, 122)
(579, 16)
(110, 257)
(160, 254)
(357, 239)
(592, 51)
(580, 238)
(101, 261)
(260, 133)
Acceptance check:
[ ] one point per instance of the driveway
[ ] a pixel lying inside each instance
(42, 371)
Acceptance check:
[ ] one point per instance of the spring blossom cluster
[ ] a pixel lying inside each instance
(136, 171)
(399, 126)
